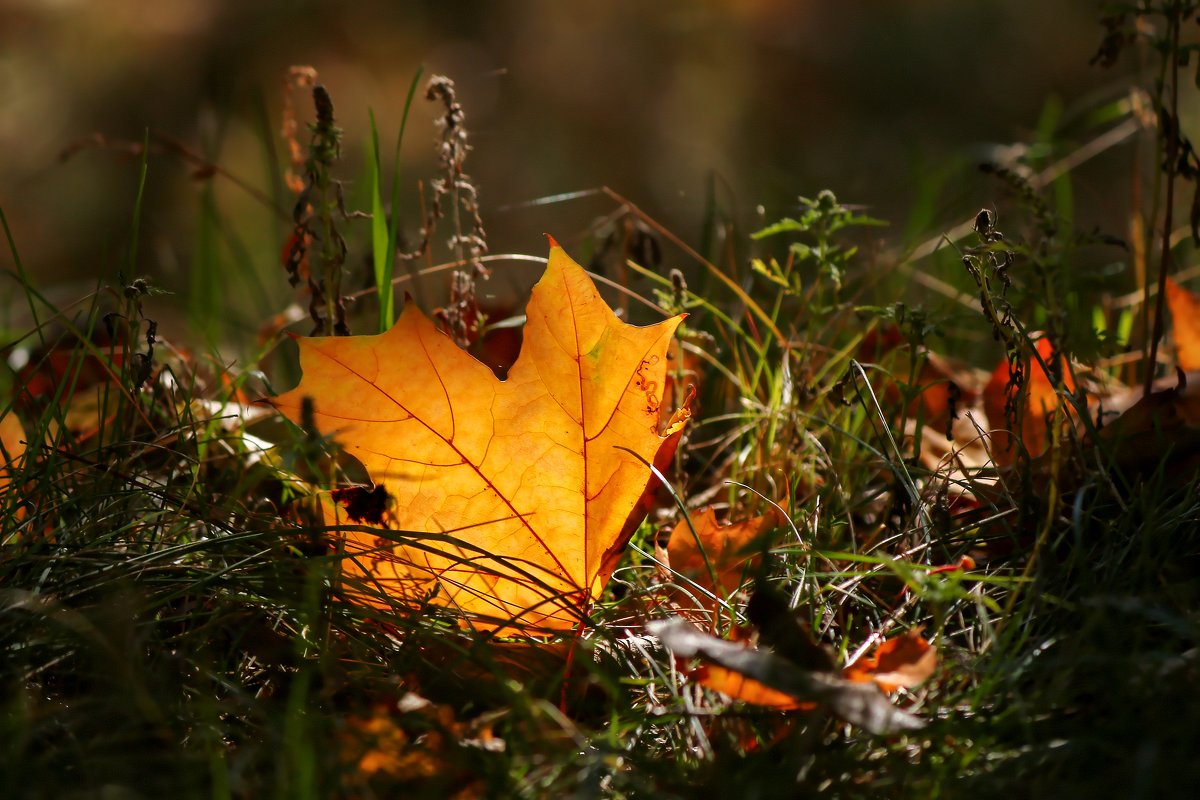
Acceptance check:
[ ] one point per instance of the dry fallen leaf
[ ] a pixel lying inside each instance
(1185, 321)
(1159, 432)
(715, 550)
(739, 687)
(861, 704)
(901, 662)
(81, 379)
(412, 740)
(1041, 400)
(512, 500)
(796, 674)
(944, 387)
(12, 447)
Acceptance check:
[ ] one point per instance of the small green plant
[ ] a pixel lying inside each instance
(385, 229)
(822, 219)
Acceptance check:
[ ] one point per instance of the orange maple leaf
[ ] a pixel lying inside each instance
(512, 500)
(1185, 318)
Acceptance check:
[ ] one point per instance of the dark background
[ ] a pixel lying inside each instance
(889, 103)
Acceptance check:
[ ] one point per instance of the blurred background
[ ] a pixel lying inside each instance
(677, 105)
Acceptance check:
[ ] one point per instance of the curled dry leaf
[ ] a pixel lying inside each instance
(861, 704)
(772, 619)
(903, 661)
(510, 500)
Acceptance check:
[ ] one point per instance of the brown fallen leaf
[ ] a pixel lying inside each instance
(1185, 321)
(80, 381)
(715, 556)
(1151, 437)
(779, 627)
(512, 500)
(68, 367)
(904, 661)
(740, 687)
(12, 447)
(1160, 431)
(901, 662)
(799, 649)
(944, 387)
(1040, 401)
(861, 704)
(413, 742)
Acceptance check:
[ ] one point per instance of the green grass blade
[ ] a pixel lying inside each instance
(394, 224)
(384, 230)
(383, 256)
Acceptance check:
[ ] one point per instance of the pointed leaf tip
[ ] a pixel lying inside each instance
(553, 242)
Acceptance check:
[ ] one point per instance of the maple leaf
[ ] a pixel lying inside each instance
(512, 499)
(1185, 316)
